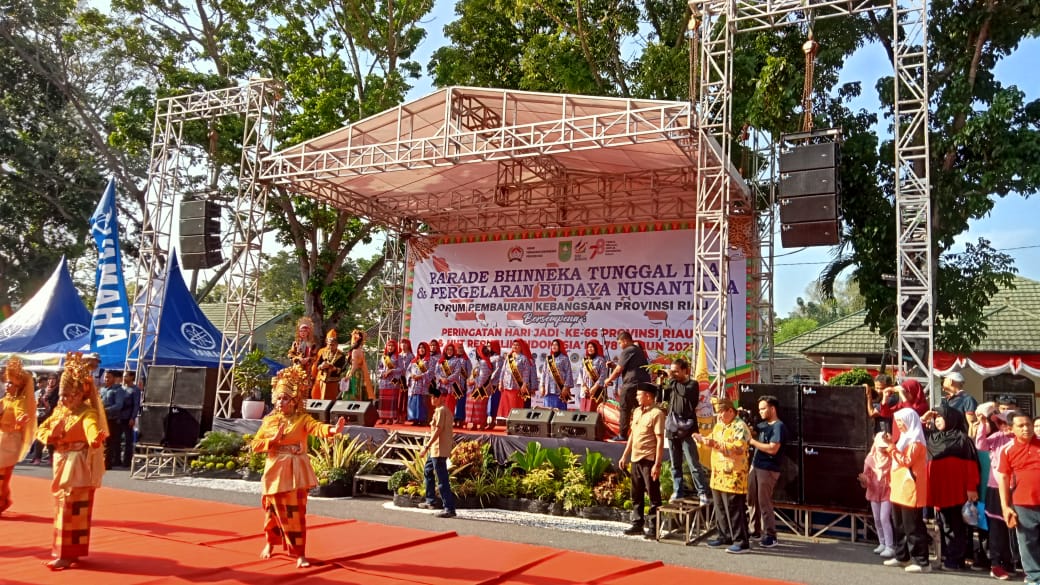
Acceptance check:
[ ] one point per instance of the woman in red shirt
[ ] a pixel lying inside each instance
(953, 473)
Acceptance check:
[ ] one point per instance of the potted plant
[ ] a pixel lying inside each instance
(251, 380)
(336, 461)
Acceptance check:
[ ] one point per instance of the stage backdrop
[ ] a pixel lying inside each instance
(574, 285)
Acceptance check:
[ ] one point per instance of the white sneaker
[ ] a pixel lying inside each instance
(915, 568)
(888, 552)
(879, 549)
(894, 562)
(702, 499)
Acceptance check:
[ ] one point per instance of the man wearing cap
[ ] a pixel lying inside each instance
(729, 441)
(957, 397)
(96, 371)
(646, 447)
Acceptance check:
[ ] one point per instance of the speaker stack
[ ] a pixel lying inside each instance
(200, 234)
(809, 195)
(529, 422)
(828, 438)
(178, 405)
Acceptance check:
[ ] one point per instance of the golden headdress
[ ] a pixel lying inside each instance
(332, 333)
(78, 379)
(293, 382)
(16, 374)
(22, 390)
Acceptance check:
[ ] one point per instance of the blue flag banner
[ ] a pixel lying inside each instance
(110, 323)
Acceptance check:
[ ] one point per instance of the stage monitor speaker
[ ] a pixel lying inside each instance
(815, 182)
(573, 424)
(359, 413)
(808, 208)
(151, 423)
(158, 387)
(529, 422)
(319, 409)
(829, 477)
(806, 157)
(835, 416)
(810, 233)
(789, 411)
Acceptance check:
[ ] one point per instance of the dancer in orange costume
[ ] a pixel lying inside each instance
(17, 424)
(77, 429)
(288, 474)
(328, 369)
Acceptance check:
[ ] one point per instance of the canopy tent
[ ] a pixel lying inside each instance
(186, 337)
(54, 314)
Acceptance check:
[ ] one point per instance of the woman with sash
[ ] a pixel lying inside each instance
(518, 377)
(496, 379)
(557, 379)
(76, 430)
(449, 379)
(305, 347)
(593, 373)
(404, 359)
(419, 377)
(288, 474)
(479, 389)
(390, 373)
(466, 374)
(17, 423)
(328, 368)
(359, 381)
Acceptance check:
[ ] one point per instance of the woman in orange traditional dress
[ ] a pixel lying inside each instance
(288, 475)
(77, 430)
(17, 424)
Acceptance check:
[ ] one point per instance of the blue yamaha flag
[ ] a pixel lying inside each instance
(110, 323)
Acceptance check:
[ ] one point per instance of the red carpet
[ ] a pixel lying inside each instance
(143, 538)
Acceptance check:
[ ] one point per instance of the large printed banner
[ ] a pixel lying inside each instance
(575, 288)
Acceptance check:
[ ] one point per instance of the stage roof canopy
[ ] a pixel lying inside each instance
(464, 160)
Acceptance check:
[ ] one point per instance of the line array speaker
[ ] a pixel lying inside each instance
(810, 233)
(814, 182)
(806, 157)
(200, 234)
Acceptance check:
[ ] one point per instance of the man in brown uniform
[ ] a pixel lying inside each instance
(439, 447)
(646, 446)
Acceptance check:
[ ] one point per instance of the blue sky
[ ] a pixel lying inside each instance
(1007, 227)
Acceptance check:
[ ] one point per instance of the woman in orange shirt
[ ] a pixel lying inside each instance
(288, 474)
(17, 424)
(909, 493)
(77, 430)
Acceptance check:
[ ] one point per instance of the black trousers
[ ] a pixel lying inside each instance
(954, 535)
(643, 483)
(113, 450)
(128, 442)
(628, 404)
(731, 517)
(910, 534)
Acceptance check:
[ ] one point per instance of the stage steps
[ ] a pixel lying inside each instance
(388, 459)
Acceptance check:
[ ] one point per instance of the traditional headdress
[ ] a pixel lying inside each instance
(305, 322)
(293, 382)
(721, 404)
(78, 379)
(331, 334)
(15, 374)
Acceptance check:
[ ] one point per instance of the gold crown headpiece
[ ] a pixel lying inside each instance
(292, 381)
(14, 372)
(331, 334)
(305, 322)
(77, 372)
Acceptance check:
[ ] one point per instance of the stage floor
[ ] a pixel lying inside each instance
(151, 538)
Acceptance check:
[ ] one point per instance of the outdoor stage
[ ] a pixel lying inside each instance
(149, 538)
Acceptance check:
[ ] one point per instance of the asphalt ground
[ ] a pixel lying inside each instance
(797, 559)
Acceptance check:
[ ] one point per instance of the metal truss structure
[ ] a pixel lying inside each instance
(391, 299)
(714, 25)
(762, 179)
(168, 174)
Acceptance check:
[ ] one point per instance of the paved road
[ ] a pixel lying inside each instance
(828, 562)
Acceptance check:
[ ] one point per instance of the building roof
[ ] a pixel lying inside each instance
(265, 313)
(1012, 319)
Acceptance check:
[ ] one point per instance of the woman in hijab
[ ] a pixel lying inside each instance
(877, 467)
(909, 493)
(911, 395)
(953, 472)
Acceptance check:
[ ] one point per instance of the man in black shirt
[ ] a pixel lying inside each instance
(683, 397)
(770, 435)
(632, 370)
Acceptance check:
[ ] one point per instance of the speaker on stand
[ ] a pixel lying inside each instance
(809, 189)
(200, 234)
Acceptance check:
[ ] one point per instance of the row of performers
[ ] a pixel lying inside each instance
(334, 373)
(487, 389)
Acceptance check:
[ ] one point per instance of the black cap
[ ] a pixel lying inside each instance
(647, 387)
(435, 392)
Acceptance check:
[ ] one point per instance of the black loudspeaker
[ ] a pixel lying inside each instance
(319, 409)
(789, 411)
(158, 388)
(151, 424)
(814, 182)
(829, 477)
(195, 387)
(569, 424)
(810, 233)
(185, 426)
(359, 413)
(200, 234)
(809, 208)
(806, 157)
(788, 488)
(529, 422)
(835, 416)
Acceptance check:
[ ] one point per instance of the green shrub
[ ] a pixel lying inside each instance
(221, 443)
(856, 377)
(540, 484)
(397, 480)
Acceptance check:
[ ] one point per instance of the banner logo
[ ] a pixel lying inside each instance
(73, 330)
(515, 254)
(197, 336)
(566, 247)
